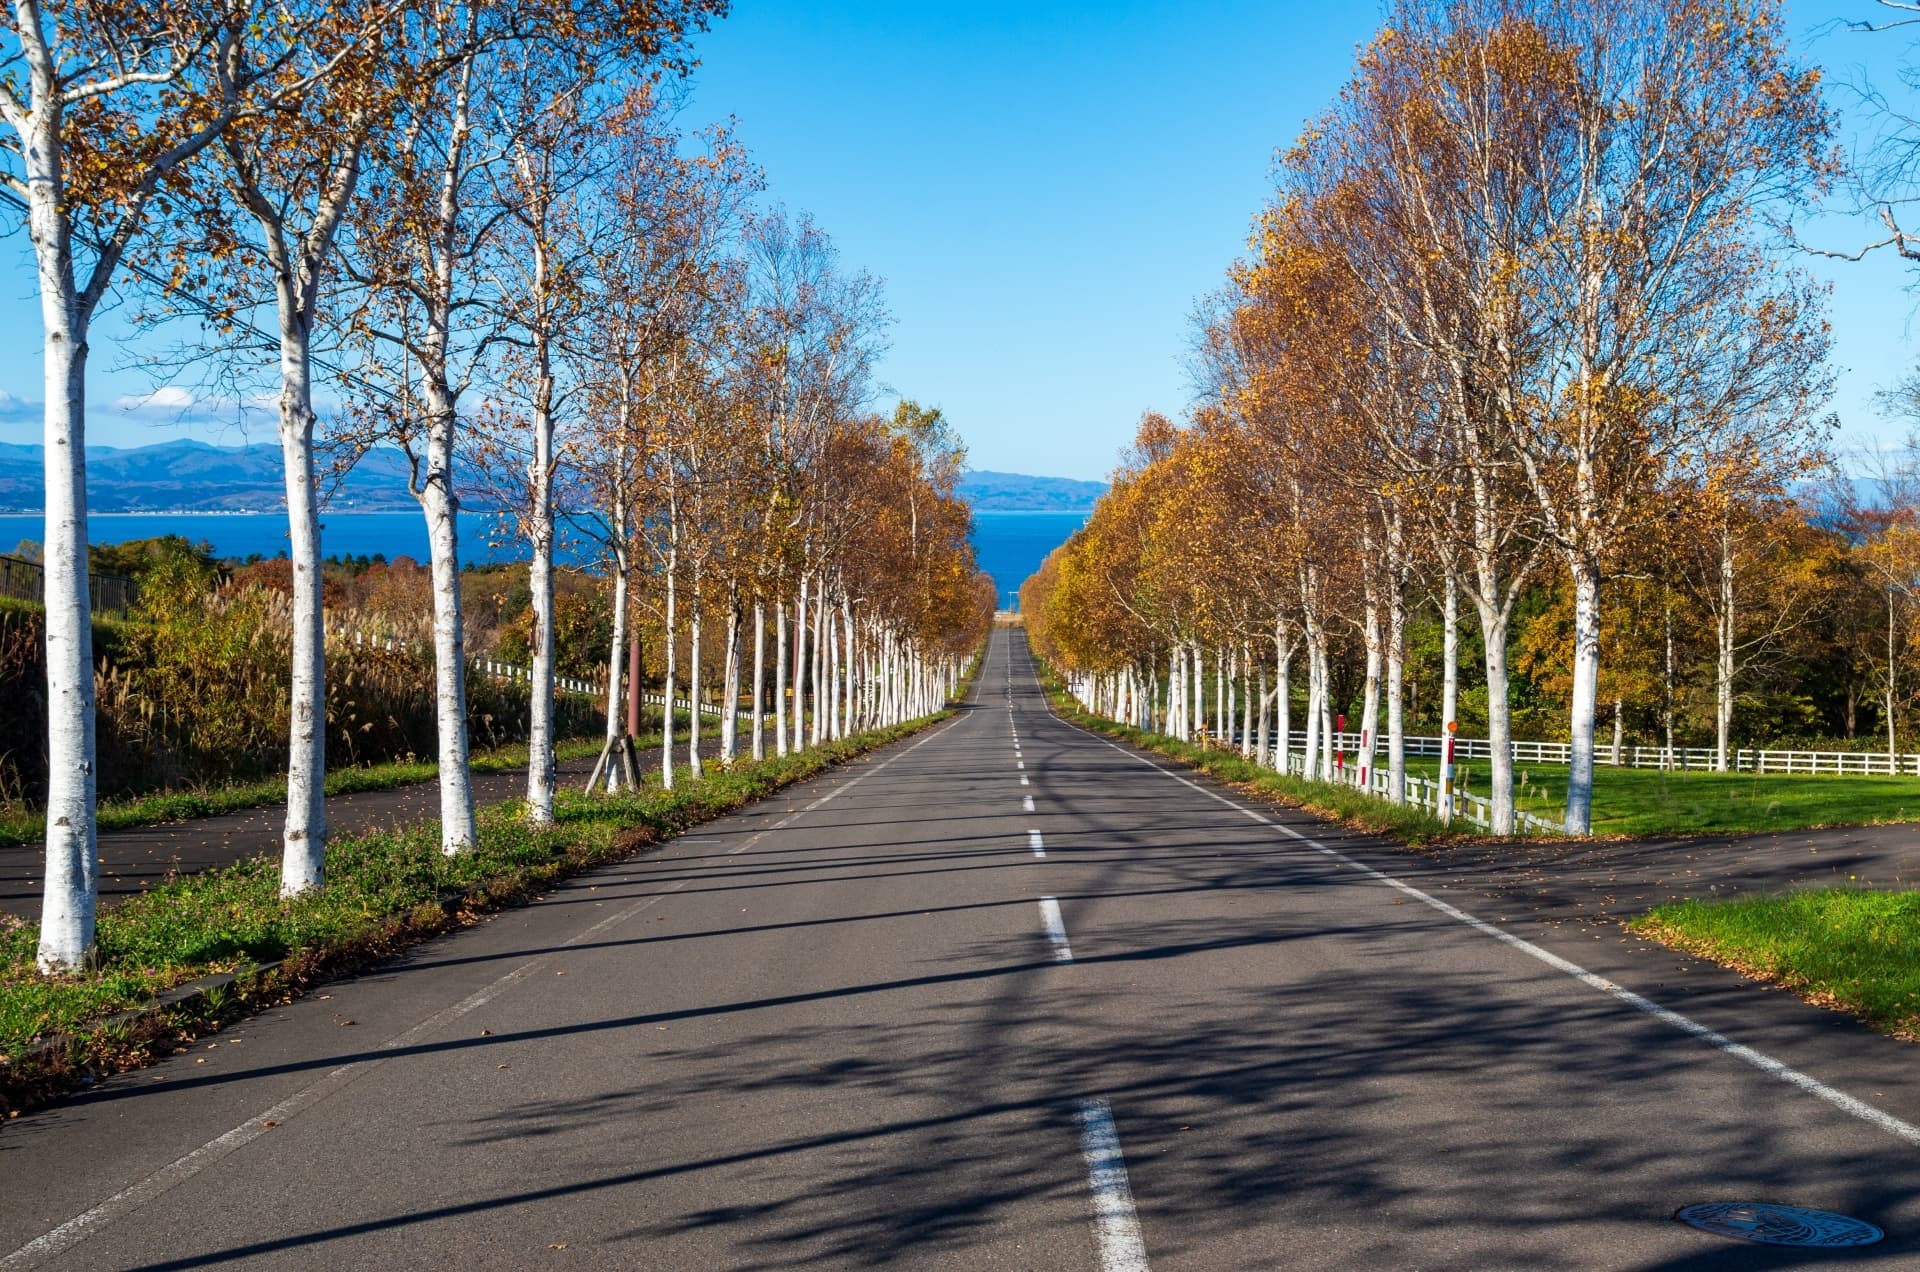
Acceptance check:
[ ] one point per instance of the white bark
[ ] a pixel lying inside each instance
(822, 701)
(780, 678)
(1370, 706)
(1397, 695)
(730, 687)
(304, 838)
(540, 740)
(1282, 695)
(800, 668)
(667, 732)
(694, 686)
(1450, 653)
(759, 679)
(1493, 629)
(1586, 687)
(458, 830)
(1723, 668)
(616, 666)
(73, 861)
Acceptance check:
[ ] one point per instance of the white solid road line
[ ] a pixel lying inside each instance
(142, 1191)
(1039, 847)
(1115, 1224)
(1718, 1041)
(1056, 930)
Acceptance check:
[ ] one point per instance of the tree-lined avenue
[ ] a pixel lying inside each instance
(837, 1030)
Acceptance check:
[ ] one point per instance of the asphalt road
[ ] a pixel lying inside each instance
(896, 1019)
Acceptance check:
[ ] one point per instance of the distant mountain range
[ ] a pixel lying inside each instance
(188, 476)
(1017, 492)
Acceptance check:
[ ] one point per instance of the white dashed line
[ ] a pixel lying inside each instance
(1115, 1224)
(1056, 930)
(1039, 847)
(1026, 803)
(1713, 1038)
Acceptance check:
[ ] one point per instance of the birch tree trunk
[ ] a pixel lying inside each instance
(616, 664)
(1586, 696)
(1493, 628)
(1316, 692)
(1246, 696)
(73, 860)
(853, 664)
(1723, 677)
(1666, 705)
(1397, 693)
(667, 732)
(1262, 744)
(800, 668)
(780, 678)
(304, 838)
(822, 700)
(730, 686)
(1370, 708)
(693, 679)
(759, 679)
(540, 741)
(1282, 696)
(1450, 652)
(442, 508)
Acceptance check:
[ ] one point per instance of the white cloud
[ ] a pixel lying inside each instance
(165, 398)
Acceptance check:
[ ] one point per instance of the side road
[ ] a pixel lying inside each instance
(131, 861)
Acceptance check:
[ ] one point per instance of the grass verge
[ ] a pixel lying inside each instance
(384, 892)
(1652, 802)
(1846, 948)
(28, 826)
(1343, 804)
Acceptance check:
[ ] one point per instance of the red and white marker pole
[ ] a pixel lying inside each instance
(1446, 774)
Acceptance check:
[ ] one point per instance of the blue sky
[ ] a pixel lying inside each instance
(1046, 189)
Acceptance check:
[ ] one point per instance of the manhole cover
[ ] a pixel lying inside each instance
(1779, 1225)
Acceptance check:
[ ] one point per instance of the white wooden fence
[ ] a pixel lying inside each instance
(1424, 792)
(1697, 758)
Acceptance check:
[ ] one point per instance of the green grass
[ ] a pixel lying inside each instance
(1651, 802)
(20, 825)
(1852, 949)
(383, 891)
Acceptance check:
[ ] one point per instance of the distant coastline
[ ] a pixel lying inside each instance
(171, 479)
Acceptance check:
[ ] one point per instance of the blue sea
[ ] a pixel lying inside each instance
(1010, 545)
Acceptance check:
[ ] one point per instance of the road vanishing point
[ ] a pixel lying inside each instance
(1004, 995)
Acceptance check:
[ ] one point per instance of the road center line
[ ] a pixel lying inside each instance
(1056, 930)
(142, 1191)
(1115, 1224)
(1686, 1024)
(1026, 803)
(1039, 848)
